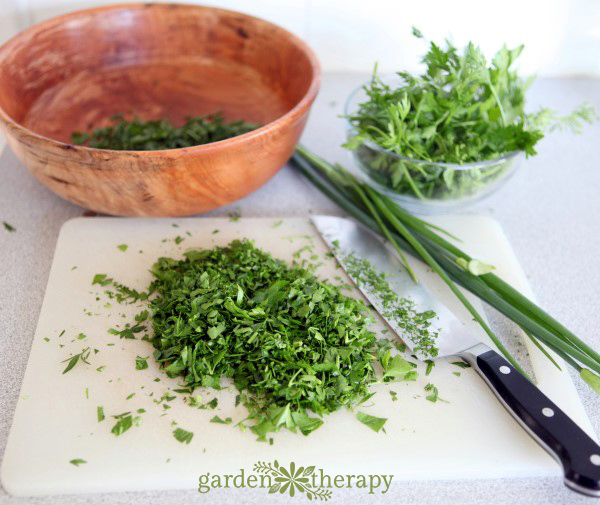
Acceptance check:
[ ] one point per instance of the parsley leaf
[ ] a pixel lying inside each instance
(461, 364)
(141, 363)
(83, 356)
(375, 423)
(218, 420)
(433, 393)
(101, 279)
(124, 422)
(183, 436)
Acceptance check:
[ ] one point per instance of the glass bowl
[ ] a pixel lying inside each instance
(422, 186)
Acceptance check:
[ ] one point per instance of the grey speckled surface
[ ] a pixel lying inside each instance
(550, 211)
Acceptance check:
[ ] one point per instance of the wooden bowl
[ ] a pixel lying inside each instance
(154, 60)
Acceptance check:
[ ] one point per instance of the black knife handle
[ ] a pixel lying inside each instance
(556, 432)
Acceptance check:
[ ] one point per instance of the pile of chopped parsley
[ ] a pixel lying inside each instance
(138, 135)
(295, 347)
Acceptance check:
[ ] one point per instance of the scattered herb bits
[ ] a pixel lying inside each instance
(412, 325)
(78, 461)
(296, 348)
(8, 227)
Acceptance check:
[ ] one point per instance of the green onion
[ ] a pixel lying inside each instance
(423, 240)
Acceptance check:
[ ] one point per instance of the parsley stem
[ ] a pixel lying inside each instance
(498, 101)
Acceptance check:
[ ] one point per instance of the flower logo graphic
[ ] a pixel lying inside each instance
(292, 480)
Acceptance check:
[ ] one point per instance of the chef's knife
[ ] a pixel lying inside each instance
(578, 454)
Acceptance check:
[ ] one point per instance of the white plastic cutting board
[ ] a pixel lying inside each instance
(470, 436)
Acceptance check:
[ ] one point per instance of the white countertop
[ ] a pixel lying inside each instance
(550, 211)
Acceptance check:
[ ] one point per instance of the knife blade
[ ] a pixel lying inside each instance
(353, 239)
(557, 433)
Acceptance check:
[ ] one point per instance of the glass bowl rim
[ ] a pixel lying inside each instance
(453, 166)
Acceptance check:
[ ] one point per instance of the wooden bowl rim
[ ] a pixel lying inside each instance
(304, 102)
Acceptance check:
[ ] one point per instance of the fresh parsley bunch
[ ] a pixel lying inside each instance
(460, 110)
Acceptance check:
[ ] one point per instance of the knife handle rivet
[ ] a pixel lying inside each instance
(547, 411)
(595, 459)
(504, 369)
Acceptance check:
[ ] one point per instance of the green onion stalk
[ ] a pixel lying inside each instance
(425, 241)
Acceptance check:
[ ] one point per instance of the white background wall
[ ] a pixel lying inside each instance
(560, 36)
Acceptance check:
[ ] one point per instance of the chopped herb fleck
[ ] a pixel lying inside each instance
(430, 365)
(101, 279)
(73, 360)
(461, 364)
(433, 393)
(218, 420)
(124, 422)
(375, 423)
(183, 436)
(141, 363)
(9, 227)
(235, 215)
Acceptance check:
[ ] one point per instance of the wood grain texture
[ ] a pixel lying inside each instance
(154, 60)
